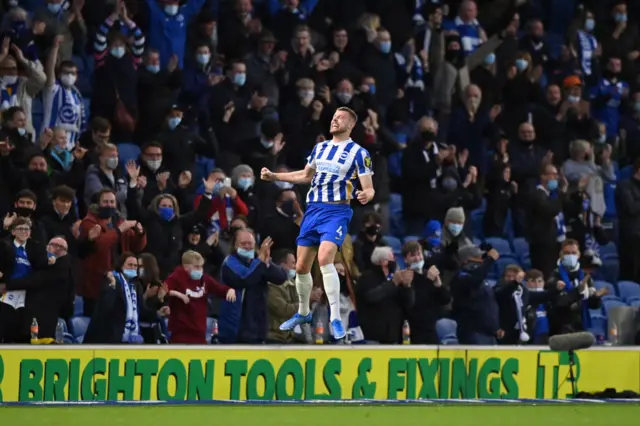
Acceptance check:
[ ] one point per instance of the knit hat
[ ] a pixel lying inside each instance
(455, 214)
(433, 229)
(239, 170)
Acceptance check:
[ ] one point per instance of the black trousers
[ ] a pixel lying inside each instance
(544, 257)
(12, 325)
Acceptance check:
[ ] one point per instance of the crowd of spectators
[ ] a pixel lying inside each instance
(503, 136)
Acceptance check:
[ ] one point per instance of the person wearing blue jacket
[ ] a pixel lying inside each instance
(168, 27)
(249, 273)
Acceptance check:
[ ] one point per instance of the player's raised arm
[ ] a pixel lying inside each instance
(365, 171)
(300, 177)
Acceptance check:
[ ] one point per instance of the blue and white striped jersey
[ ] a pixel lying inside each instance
(336, 166)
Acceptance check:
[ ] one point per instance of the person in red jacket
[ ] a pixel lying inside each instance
(224, 195)
(189, 289)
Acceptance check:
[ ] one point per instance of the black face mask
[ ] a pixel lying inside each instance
(428, 135)
(37, 178)
(610, 75)
(23, 211)
(527, 142)
(287, 208)
(372, 230)
(106, 212)
(392, 265)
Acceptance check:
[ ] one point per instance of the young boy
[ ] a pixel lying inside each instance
(189, 288)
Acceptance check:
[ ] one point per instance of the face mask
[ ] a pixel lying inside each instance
(10, 80)
(475, 103)
(284, 185)
(372, 230)
(153, 165)
(154, 69)
(112, 163)
(118, 52)
(521, 64)
(620, 17)
(245, 183)
(37, 178)
(450, 184)
(106, 212)
(589, 24)
(217, 187)
(454, 228)
(22, 131)
(417, 266)
(385, 46)
(490, 59)
(166, 213)
(267, 143)
(54, 7)
(573, 99)
(428, 135)
(203, 58)
(141, 272)
(344, 97)
(372, 89)
(195, 275)
(306, 95)
(247, 254)
(602, 138)
(287, 208)
(570, 261)
(240, 79)
(130, 273)
(51, 255)
(552, 185)
(174, 122)
(392, 265)
(68, 79)
(23, 211)
(171, 9)
(291, 274)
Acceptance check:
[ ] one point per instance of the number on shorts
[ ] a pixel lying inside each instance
(339, 231)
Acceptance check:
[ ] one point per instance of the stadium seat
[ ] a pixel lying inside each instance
(608, 250)
(501, 265)
(78, 306)
(80, 325)
(628, 290)
(526, 263)
(598, 322)
(635, 302)
(447, 331)
(502, 246)
(395, 203)
(393, 242)
(610, 269)
(476, 241)
(68, 338)
(599, 284)
(521, 247)
(127, 152)
(612, 304)
(476, 223)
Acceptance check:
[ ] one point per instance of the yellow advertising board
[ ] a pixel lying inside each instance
(84, 373)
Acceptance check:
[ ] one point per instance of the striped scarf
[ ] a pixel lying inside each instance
(561, 230)
(65, 109)
(588, 44)
(131, 332)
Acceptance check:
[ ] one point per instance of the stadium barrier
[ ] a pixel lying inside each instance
(311, 373)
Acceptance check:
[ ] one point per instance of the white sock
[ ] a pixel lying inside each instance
(304, 284)
(332, 288)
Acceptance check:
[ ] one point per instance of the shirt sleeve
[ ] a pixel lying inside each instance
(311, 159)
(363, 163)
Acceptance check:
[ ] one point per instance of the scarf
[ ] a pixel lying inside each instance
(131, 333)
(542, 321)
(591, 246)
(588, 44)
(561, 230)
(8, 95)
(564, 276)
(521, 324)
(63, 157)
(64, 108)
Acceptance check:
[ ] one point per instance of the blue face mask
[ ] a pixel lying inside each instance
(22, 131)
(203, 58)
(118, 52)
(240, 79)
(552, 185)
(171, 9)
(490, 59)
(454, 228)
(54, 7)
(570, 261)
(130, 273)
(166, 213)
(291, 274)
(155, 69)
(589, 24)
(521, 64)
(385, 46)
(247, 254)
(196, 275)
(245, 183)
(174, 122)
(372, 89)
(217, 187)
(417, 266)
(53, 256)
(620, 17)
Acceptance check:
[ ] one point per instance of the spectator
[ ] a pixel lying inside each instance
(148, 277)
(59, 217)
(474, 304)
(244, 181)
(383, 295)
(368, 239)
(226, 203)
(245, 320)
(25, 206)
(628, 208)
(65, 19)
(106, 174)
(189, 289)
(609, 94)
(284, 225)
(109, 234)
(15, 126)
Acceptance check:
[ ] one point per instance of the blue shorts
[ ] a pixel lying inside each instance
(324, 222)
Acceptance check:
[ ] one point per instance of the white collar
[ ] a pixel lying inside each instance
(459, 22)
(18, 245)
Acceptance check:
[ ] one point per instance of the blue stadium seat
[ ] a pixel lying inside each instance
(634, 302)
(609, 250)
(68, 338)
(598, 284)
(625, 173)
(395, 203)
(520, 247)
(78, 306)
(476, 241)
(80, 325)
(598, 322)
(499, 244)
(447, 330)
(393, 242)
(612, 304)
(526, 263)
(127, 152)
(628, 290)
(476, 223)
(79, 61)
(395, 221)
(501, 265)
(610, 269)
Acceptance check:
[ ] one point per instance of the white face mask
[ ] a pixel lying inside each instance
(266, 143)
(171, 9)
(153, 165)
(68, 79)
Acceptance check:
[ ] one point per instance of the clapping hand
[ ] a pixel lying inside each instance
(8, 220)
(79, 152)
(133, 170)
(162, 179)
(264, 253)
(94, 232)
(209, 183)
(184, 179)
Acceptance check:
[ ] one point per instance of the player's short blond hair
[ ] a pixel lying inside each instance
(351, 113)
(191, 257)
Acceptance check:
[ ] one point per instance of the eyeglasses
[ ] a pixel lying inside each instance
(22, 228)
(58, 246)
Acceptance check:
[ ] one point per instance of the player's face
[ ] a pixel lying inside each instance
(341, 123)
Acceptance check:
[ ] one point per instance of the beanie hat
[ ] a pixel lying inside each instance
(455, 214)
